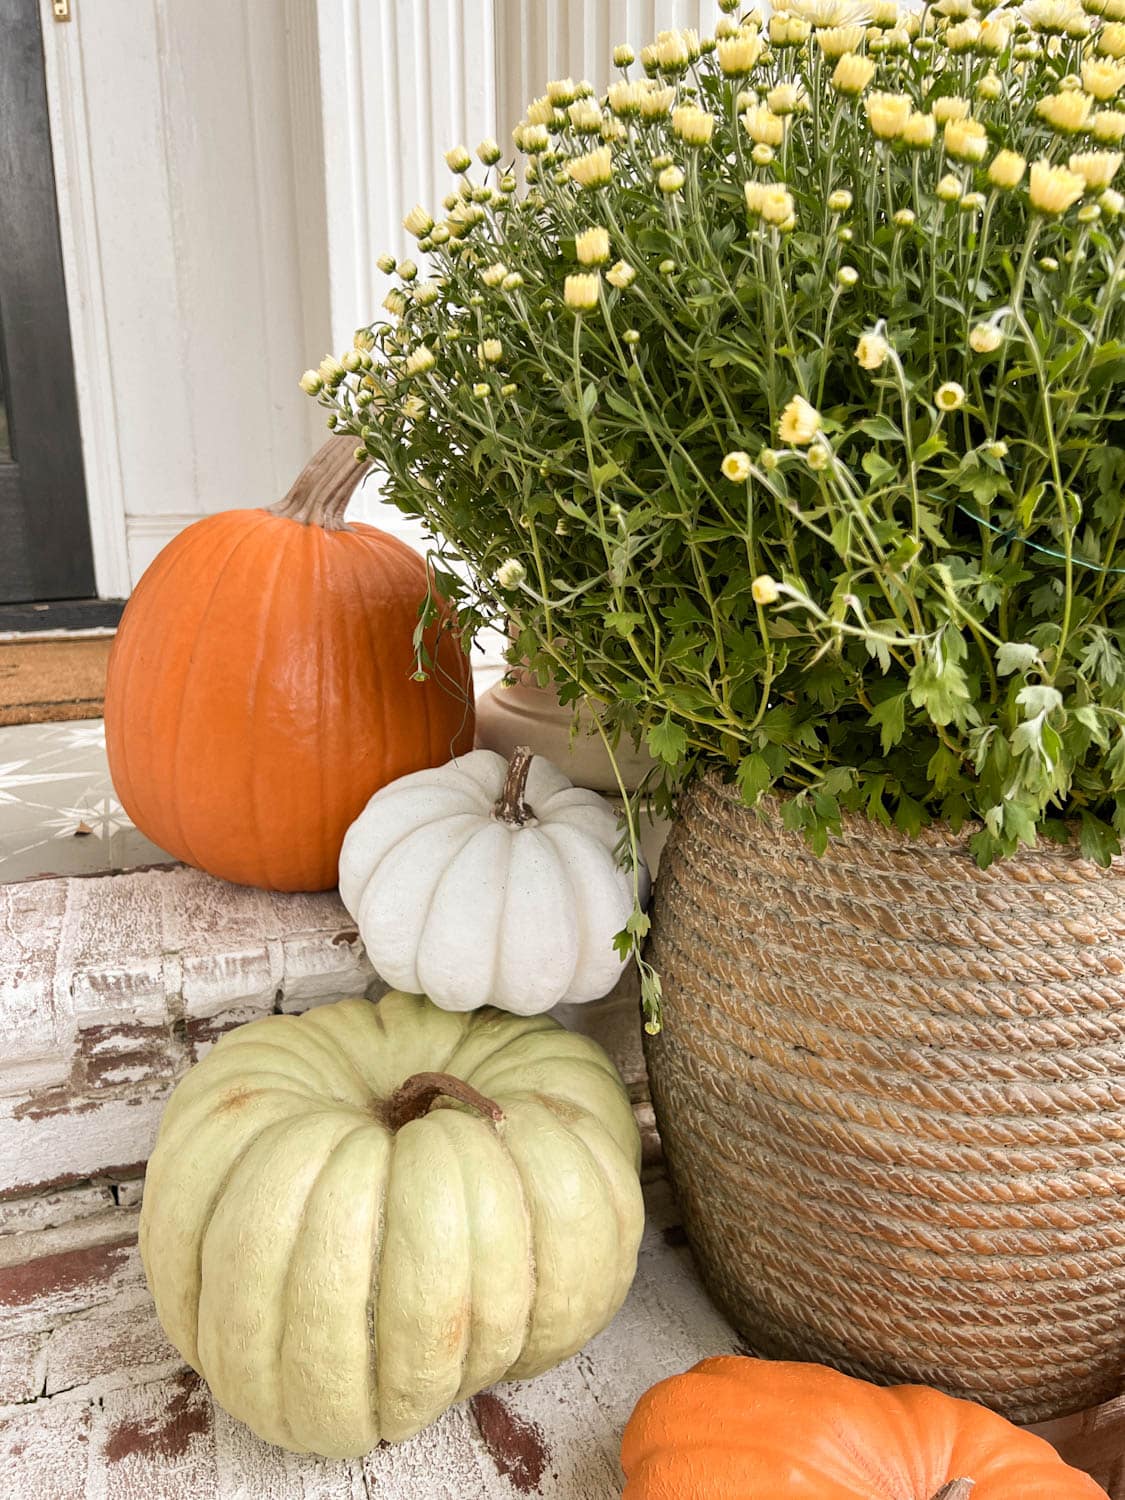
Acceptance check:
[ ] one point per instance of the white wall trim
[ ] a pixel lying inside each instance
(81, 254)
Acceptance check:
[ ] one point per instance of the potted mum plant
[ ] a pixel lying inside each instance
(779, 415)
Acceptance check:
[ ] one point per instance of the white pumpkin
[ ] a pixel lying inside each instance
(488, 882)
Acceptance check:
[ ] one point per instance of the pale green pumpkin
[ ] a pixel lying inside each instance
(343, 1243)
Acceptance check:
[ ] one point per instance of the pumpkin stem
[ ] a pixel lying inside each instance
(510, 806)
(956, 1489)
(321, 491)
(414, 1098)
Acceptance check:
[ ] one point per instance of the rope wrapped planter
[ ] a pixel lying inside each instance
(891, 1091)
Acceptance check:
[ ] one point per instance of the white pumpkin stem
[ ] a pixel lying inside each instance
(321, 491)
(414, 1098)
(510, 806)
(956, 1489)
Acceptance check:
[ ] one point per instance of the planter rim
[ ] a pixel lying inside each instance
(936, 838)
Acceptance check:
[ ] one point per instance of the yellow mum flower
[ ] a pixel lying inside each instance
(656, 102)
(1006, 169)
(670, 180)
(621, 275)
(761, 124)
(834, 41)
(625, 98)
(592, 246)
(1104, 80)
(839, 201)
(951, 107)
(996, 31)
(490, 351)
(1110, 40)
(420, 360)
(884, 13)
(1054, 189)
(966, 140)
(541, 111)
(919, 130)
(852, 73)
(1097, 169)
(963, 37)
(1112, 202)
(418, 222)
(594, 169)
(493, 275)
(693, 126)
(561, 91)
(586, 116)
(872, 351)
(787, 98)
(787, 30)
(1067, 112)
(457, 159)
(950, 396)
(738, 54)
(736, 467)
(764, 590)
(580, 291)
(985, 338)
(887, 114)
(1108, 126)
(799, 422)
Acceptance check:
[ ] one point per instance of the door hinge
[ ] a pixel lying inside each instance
(61, 9)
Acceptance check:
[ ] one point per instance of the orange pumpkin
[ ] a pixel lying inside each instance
(260, 687)
(751, 1429)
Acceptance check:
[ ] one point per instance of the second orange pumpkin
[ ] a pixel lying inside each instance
(260, 687)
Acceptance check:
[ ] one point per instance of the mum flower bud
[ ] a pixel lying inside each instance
(407, 270)
(787, 30)
(852, 73)
(457, 159)
(1047, 263)
(420, 360)
(847, 277)
(736, 467)
(985, 338)
(1067, 112)
(490, 351)
(671, 180)
(631, 336)
(799, 422)
(839, 201)
(764, 589)
(510, 574)
(310, 382)
(493, 275)
(1089, 213)
(770, 201)
(591, 247)
(738, 54)
(1096, 168)
(562, 91)
(966, 140)
(1110, 40)
(594, 169)
(887, 114)
(418, 222)
(1054, 189)
(761, 124)
(819, 456)
(990, 87)
(949, 188)
(997, 449)
(671, 51)
(1104, 80)
(971, 203)
(918, 131)
(1108, 127)
(666, 267)
(1112, 202)
(489, 151)
(330, 370)
(481, 390)
(1006, 169)
(761, 155)
(426, 293)
(693, 125)
(872, 351)
(950, 107)
(621, 275)
(512, 282)
(531, 138)
(656, 102)
(580, 292)
(904, 218)
(623, 57)
(386, 264)
(395, 302)
(625, 98)
(834, 41)
(950, 396)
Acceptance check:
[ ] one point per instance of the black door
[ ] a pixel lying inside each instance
(44, 530)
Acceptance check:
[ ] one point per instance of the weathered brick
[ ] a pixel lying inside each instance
(130, 1194)
(49, 1210)
(23, 1364)
(202, 1032)
(118, 1344)
(60, 1137)
(43, 1451)
(31, 915)
(110, 952)
(155, 1440)
(124, 1053)
(325, 966)
(51, 1273)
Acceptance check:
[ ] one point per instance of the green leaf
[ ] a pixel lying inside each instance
(754, 777)
(667, 741)
(890, 718)
(1015, 656)
(880, 428)
(1039, 698)
(1097, 840)
(942, 690)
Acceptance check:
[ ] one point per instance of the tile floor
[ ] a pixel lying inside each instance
(59, 814)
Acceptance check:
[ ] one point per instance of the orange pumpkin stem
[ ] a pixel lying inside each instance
(956, 1489)
(510, 806)
(321, 491)
(414, 1098)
